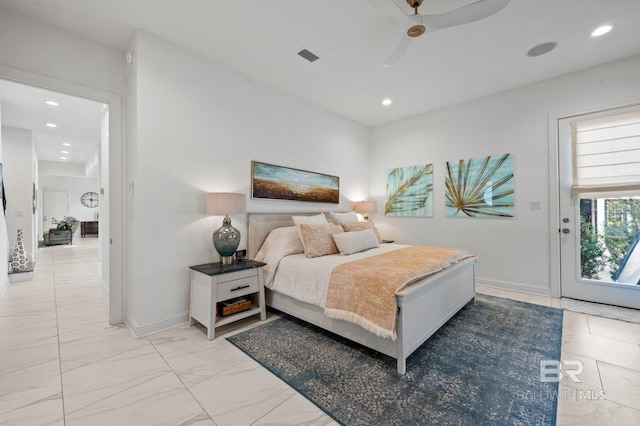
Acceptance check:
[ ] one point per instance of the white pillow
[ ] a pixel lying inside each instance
(344, 217)
(318, 219)
(280, 242)
(356, 241)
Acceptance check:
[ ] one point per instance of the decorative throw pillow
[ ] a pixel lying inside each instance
(361, 226)
(318, 219)
(356, 241)
(340, 218)
(318, 239)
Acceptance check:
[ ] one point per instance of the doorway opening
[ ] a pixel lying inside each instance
(107, 110)
(599, 206)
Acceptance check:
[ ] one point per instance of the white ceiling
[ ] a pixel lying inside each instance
(261, 39)
(78, 121)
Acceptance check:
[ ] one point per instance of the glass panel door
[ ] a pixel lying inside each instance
(599, 250)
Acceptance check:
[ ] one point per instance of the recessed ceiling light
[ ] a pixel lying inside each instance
(542, 49)
(386, 102)
(51, 125)
(63, 158)
(601, 30)
(65, 152)
(66, 144)
(52, 103)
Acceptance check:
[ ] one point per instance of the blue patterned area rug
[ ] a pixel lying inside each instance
(481, 368)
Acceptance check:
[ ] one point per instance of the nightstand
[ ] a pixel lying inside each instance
(212, 283)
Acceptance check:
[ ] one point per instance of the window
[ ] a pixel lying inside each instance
(606, 156)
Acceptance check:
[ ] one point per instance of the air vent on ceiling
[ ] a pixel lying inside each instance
(308, 55)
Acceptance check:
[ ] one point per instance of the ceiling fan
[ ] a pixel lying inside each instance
(416, 24)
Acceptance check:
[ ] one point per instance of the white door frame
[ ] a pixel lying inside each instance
(113, 187)
(554, 183)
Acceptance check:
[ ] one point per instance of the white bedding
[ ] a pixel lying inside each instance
(307, 279)
(425, 306)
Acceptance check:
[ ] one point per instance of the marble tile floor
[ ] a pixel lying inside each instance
(61, 363)
(603, 355)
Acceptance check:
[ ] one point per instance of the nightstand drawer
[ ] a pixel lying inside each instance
(231, 289)
(233, 276)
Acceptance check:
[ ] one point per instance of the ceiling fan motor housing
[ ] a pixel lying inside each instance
(416, 30)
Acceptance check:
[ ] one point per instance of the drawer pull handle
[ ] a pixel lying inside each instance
(240, 287)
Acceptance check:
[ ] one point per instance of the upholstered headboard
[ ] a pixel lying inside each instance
(260, 224)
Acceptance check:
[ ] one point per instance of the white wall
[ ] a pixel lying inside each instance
(194, 128)
(18, 171)
(55, 168)
(75, 186)
(513, 253)
(92, 166)
(132, 214)
(39, 48)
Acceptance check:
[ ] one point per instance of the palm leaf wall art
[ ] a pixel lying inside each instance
(480, 187)
(410, 191)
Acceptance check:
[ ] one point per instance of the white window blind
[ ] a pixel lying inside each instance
(606, 156)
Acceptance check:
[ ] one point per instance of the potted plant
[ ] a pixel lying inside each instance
(67, 222)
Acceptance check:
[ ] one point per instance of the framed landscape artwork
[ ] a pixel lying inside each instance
(480, 187)
(410, 191)
(285, 183)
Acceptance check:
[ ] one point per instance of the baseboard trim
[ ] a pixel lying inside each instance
(515, 286)
(145, 330)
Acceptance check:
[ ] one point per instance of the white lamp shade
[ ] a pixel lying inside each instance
(365, 207)
(223, 203)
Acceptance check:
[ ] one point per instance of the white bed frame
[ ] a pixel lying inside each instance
(423, 307)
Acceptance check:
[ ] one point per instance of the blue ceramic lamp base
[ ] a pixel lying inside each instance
(226, 240)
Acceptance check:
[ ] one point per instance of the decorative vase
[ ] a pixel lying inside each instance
(19, 257)
(226, 240)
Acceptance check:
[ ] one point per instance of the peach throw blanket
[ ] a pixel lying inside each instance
(363, 291)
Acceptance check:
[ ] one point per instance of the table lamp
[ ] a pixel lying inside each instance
(226, 238)
(365, 207)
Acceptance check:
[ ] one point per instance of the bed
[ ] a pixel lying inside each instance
(422, 307)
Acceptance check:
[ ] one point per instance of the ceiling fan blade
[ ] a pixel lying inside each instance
(398, 52)
(473, 12)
